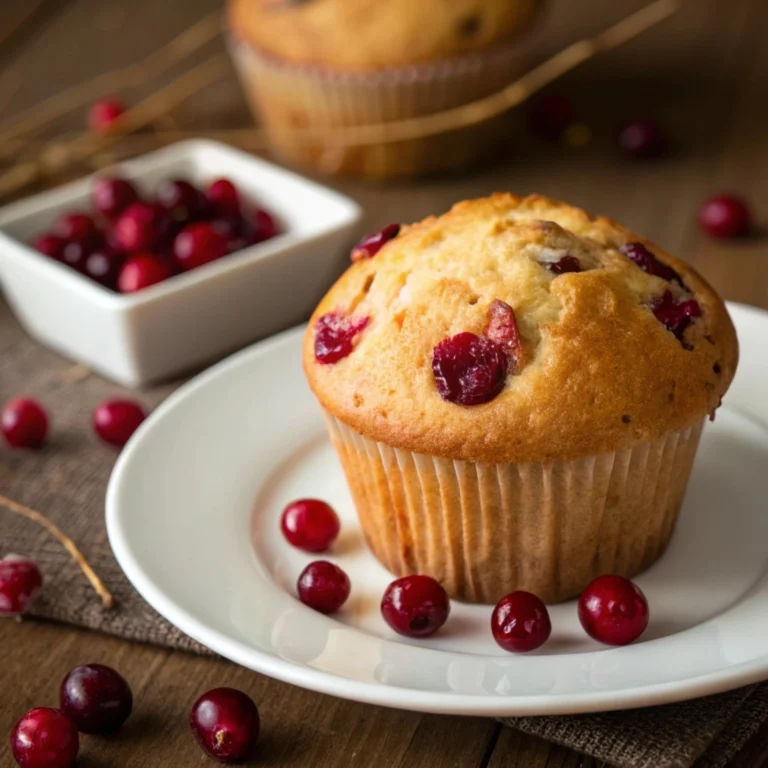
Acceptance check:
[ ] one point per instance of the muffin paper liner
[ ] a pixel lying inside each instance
(484, 530)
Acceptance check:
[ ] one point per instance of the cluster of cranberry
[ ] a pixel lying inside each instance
(611, 609)
(130, 243)
(95, 699)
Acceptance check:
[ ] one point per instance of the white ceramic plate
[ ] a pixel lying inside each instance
(193, 509)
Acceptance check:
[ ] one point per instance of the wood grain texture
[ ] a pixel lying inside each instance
(704, 74)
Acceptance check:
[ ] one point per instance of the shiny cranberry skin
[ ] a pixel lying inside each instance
(95, 698)
(674, 315)
(520, 622)
(20, 583)
(50, 245)
(310, 524)
(103, 266)
(223, 198)
(226, 724)
(198, 244)
(613, 610)
(77, 228)
(45, 738)
(141, 227)
(564, 265)
(725, 216)
(469, 369)
(265, 226)
(323, 586)
(639, 255)
(335, 336)
(24, 423)
(142, 270)
(415, 606)
(369, 246)
(550, 115)
(114, 421)
(111, 196)
(183, 202)
(642, 139)
(103, 113)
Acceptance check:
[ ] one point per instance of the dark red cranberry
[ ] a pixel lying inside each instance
(223, 198)
(78, 228)
(265, 226)
(469, 369)
(675, 315)
(520, 622)
(103, 113)
(142, 270)
(183, 202)
(642, 139)
(310, 524)
(725, 216)
(323, 586)
(550, 116)
(235, 231)
(415, 606)
(563, 265)
(502, 328)
(638, 254)
(198, 244)
(335, 336)
(103, 266)
(95, 698)
(74, 255)
(141, 227)
(111, 196)
(20, 583)
(226, 724)
(50, 245)
(370, 245)
(116, 420)
(613, 610)
(24, 423)
(45, 738)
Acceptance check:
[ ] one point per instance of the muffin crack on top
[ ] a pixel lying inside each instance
(518, 329)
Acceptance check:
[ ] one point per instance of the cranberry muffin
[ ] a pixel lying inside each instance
(516, 391)
(335, 64)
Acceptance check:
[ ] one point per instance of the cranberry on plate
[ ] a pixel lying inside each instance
(45, 738)
(142, 270)
(415, 606)
(310, 524)
(323, 586)
(226, 724)
(613, 610)
(114, 421)
(96, 698)
(725, 217)
(183, 202)
(112, 195)
(224, 198)
(50, 245)
(141, 227)
(265, 226)
(20, 583)
(24, 423)
(103, 266)
(520, 622)
(198, 244)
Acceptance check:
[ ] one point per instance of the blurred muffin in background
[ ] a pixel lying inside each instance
(339, 63)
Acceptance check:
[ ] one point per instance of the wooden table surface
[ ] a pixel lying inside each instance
(704, 74)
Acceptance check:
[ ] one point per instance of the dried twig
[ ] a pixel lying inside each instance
(66, 542)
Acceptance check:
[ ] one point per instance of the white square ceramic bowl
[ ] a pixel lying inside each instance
(192, 318)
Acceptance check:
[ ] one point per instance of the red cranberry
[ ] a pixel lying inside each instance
(502, 328)
(103, 266)
(725, 216)
(45, 738)
(520, 622)
(198, 244)
(224, 198)
(226, 724)
(95, 698)
(142, 270)
(638, 254)
(50, 245)
(550, 116)
(415, 606)
(141, 227)
(310, 524)
(24, 423)
(111, 196)
(77, 228)
(265, 226)
(613, 610)
(116, 420)
(642, 139)
(323, 586)
(103, 113)
(674, 315)
(563, 265)
(369, 246)
(469, 369)
(234, 230)
(182, 201)
(335, 336)
(74, 255)
(20, 583)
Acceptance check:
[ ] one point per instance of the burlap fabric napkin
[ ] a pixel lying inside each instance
(67, 482)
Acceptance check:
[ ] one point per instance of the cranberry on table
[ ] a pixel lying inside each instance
(226, 724)
(613, 610)
(142, 270)
(310, 524)
(79, 228)
(520, 622)
(20, 583)
(141, 227)
(415, 606)
(45, 738)
(95, 698)
(265, 226)
(224, 198)
(725, 216)
(114, 421)
(370, 245)
(323, 586)
(50, 245)
(103, 113)
(198, 244)
(550, 116)
(335, 336)
(112, 195)
(103, 266)
(24, 423)
(642, 139)
(181, 200)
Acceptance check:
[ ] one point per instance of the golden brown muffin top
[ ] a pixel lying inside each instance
(371, 34)
(607, 357)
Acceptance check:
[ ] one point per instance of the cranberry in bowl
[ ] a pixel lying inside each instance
(179, 309)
